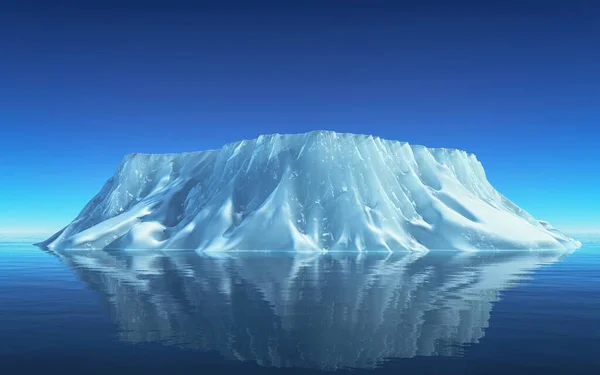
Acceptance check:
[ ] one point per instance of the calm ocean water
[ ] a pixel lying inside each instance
(436, 313)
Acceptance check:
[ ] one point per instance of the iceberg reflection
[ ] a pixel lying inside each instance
(322, 311)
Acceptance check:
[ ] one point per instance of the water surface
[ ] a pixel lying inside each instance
(489, 312)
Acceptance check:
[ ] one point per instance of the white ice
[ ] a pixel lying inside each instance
(305, 192)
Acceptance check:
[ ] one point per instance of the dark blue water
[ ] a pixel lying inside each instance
(435, 313)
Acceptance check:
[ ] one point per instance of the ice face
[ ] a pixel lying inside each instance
(324, 311)
(305, 192)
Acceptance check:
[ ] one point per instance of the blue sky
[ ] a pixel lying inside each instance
(83, 83)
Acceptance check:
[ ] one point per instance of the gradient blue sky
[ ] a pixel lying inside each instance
(84, 82)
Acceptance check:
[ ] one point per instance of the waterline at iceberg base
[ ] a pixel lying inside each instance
(317, 191)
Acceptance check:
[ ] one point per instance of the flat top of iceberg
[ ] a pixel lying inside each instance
(295, 137)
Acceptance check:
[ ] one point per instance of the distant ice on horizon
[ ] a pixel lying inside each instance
(305, 192)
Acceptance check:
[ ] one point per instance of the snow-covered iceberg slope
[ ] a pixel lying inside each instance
(305, 192)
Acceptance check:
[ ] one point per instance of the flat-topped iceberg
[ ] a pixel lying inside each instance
(305, 192)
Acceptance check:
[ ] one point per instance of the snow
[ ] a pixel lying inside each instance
(305, 192)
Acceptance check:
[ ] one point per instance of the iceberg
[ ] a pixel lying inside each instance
(319, 191)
